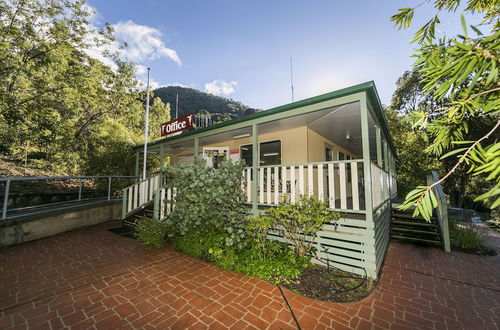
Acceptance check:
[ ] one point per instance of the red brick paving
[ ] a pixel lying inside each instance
(91, 278)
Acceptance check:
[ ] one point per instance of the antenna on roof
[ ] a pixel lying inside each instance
(177, 106)
(291, 76)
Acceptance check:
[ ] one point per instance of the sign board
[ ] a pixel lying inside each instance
(177, 125)
(234, 155)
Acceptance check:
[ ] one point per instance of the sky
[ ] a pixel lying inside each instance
(241, 49)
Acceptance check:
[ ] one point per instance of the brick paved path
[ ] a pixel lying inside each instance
(91, 278)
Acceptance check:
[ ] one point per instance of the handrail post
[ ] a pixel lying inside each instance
(5, 200)
(124, 202)
(80, 190)
(109, 188)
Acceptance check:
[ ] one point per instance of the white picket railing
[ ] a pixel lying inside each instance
(138, 195)
(340, 183)
(380, 185)
(163, 202)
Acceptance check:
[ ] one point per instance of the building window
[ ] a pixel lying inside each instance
(328, 153)
(270, 153)
(343, 156)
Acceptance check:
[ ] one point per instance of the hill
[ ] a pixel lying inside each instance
(195, 101)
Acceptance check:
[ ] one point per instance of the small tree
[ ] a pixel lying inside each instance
(297, 222)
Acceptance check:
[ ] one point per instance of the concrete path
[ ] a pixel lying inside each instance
(92, 278)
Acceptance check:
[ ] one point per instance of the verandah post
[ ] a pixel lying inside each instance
(365, 139)
(196, 151)
(379, 146)
(255, 164)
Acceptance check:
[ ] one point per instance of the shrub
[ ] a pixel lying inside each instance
(297, 222)
(466, 237)
(149, 231)
(207, 199)
(280, 264)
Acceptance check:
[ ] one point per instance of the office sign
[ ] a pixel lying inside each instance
(177, 125)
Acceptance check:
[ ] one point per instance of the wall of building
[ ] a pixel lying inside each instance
(298, 145)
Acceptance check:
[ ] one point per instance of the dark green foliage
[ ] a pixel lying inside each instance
(462, 72)
(274, 262)
(194, 101)
(57, 102)
(207, 198)
(149, 231)
(281, 264)
(210, 221)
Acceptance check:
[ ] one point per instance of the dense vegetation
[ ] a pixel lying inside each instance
(60, 108)
(459, 78)
(194, 101)
(413, 165)
(210, 221)
(64, 111)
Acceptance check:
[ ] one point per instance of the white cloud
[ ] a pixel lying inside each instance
(220, 87)
(143, 43)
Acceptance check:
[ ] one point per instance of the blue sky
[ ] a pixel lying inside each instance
(241, 48)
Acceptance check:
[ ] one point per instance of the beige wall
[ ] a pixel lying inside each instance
(316, 147)
(298, 145)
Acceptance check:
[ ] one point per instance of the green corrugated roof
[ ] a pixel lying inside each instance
(368, 87)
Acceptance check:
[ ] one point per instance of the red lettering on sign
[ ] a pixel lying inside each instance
(177, 125)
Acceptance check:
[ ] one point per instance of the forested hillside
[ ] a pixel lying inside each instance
(60, 108)
(194, 101)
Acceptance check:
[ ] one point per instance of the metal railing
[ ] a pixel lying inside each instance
(9, 181)
(441, 211)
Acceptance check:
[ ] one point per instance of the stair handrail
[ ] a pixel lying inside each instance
(163, 202)
(144, 194)
(441, 211)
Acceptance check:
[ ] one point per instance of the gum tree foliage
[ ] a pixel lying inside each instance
(56, 100)
(412, 165)
(461, 72)
(208, 201)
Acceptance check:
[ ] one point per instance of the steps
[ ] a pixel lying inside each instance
(417, 230)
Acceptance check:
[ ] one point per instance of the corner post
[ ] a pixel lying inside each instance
(255, 164)
(386, 156)
(379, 146)
(365, 139)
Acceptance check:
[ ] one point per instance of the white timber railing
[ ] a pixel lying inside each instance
(340, 183)
(163, 202)
(139, 194)
(380, 185)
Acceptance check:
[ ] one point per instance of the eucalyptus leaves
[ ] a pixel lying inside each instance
(461, 72)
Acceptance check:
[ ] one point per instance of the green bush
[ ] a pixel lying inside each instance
(297, 222)
(466, 237)
(149, 231)
(210, 221)
(207, 199)
(280, 264)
